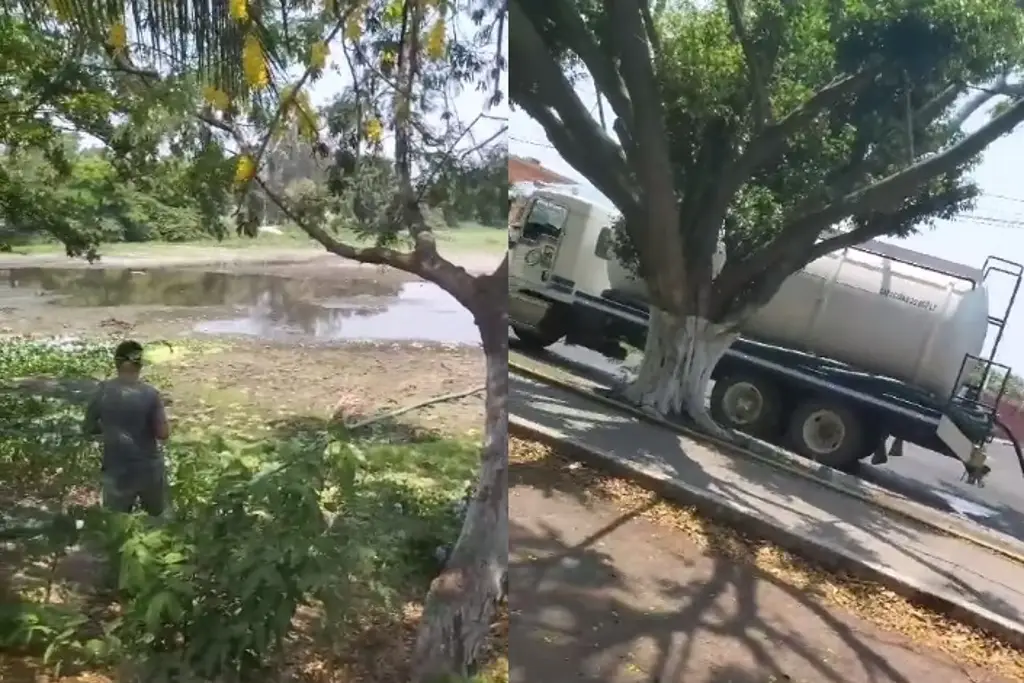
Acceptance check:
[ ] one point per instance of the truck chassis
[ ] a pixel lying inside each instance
(815, 406)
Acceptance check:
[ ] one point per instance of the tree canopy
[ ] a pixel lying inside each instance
(785, 129)
(88, 157)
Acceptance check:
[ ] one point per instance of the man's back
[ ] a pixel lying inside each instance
(126, 412)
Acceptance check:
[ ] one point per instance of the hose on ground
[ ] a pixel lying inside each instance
(1013, 441)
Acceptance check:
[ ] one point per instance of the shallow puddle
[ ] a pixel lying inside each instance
(270, 306)
(421, 312)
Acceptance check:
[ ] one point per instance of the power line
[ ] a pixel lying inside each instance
(990, 195)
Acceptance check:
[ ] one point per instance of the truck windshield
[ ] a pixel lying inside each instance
(545, 219)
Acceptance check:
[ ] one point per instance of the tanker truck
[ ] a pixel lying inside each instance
(865, 344)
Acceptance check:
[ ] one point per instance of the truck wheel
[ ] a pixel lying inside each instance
(748, 404)
(828, 433)
(537, 339)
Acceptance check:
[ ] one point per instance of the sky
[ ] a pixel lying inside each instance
(995, 226)
(467, 104)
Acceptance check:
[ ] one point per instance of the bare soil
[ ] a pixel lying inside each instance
(347, 381)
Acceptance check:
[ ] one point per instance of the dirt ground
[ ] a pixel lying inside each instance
(351, 381)
(609, 585)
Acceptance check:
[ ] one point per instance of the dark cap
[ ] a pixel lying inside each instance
(128, 352)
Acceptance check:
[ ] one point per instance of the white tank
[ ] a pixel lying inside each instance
(870, 308)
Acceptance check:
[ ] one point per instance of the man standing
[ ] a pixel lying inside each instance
(128, 414)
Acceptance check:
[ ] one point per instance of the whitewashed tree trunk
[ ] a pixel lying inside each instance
(678, 359)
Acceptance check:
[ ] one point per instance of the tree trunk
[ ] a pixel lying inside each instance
(463, 600)
(679, 356)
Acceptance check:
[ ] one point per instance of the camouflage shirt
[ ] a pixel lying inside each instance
(125, 414)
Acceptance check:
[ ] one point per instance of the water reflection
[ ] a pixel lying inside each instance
(421, 312)
(182, 287)
(269, 306)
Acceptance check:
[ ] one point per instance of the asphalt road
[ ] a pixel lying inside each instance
(920, 474)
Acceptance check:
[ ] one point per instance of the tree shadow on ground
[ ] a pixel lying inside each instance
(599, 595)
(74, 390)
(780, 500)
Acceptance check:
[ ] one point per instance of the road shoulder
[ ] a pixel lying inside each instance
(599, 592)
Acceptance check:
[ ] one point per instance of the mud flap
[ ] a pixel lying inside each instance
(954, 439)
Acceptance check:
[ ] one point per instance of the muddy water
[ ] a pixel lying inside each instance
(270, 306)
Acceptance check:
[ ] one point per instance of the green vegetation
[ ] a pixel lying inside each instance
(272, 517)
(91, 156)
(467, 237)
(224, 117)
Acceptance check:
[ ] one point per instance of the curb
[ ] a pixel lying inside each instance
(780, 459)
(829, 556)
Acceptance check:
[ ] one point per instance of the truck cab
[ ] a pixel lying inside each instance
(554, 238)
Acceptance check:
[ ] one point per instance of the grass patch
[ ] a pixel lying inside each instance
(468, 237)
(297, 550)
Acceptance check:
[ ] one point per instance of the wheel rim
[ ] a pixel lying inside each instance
(742, 403)
(824, 432)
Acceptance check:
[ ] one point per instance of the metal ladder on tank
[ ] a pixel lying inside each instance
(976, 393)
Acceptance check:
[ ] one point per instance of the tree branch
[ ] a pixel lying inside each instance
(657, 237)
(799, 239)
(773, 139)
(598, 61)
(884, 193)
(711, 207)
(758, 95)
(453, 279)
(538, 85)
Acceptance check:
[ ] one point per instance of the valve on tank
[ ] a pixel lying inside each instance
(975, 469)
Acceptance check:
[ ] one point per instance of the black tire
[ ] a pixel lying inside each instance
(537, 340)
(852, 446)
(764, 423)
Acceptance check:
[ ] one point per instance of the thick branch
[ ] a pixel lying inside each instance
(773, 139)
(539, 86)
(657, 237)
(983, 96)
(651, 162)
(453, 279)
(758, 95)
(890, 190)
(597, 60)
(801, 234)
(710, 209)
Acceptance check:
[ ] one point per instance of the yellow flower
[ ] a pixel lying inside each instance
(387, 59)
(62, 8)
(218, 99)
(394, 11)
(309, 123)
(435, 40)
(318, 54)
(374, 131)
(254, 63)
(118, 38)
(239, 10)
(245, 170)
(354, 27)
